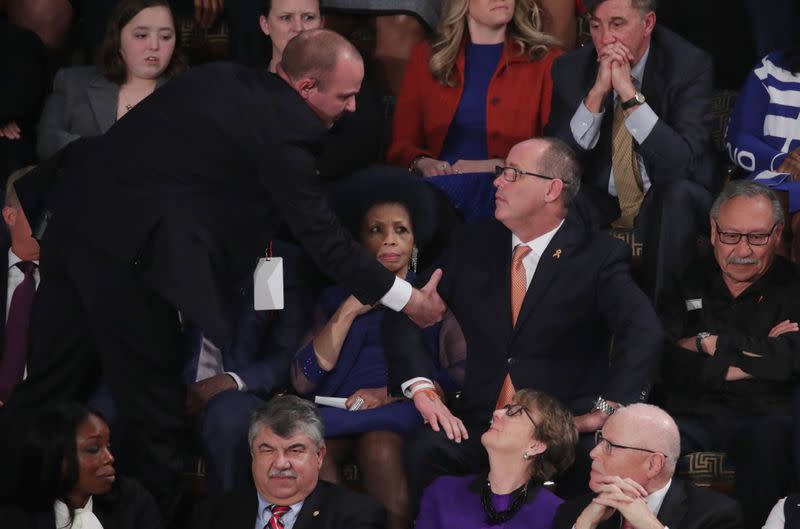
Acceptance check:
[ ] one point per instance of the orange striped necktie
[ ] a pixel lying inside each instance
(519, 286)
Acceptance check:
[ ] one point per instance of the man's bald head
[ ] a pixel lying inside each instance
(652, 427)
(315, 54)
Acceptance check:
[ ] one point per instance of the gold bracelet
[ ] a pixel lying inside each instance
(431, 393)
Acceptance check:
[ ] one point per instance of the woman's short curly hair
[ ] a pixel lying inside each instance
(109, 60)
(555, 427)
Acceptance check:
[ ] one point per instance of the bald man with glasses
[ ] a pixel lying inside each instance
(732, 357)
(632, 483)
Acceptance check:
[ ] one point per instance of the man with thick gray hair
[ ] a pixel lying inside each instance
(733, 349)
(287, 446)
(635, 106)
(633, 464)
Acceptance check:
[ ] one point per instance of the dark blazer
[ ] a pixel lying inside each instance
(128, 506)
(190, 186)
(83, 103)
(685, 506)
(677, 86)
(328, 506)
(581, 294)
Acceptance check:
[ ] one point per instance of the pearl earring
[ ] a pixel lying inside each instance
(526, 455)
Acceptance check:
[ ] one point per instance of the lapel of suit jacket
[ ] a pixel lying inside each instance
(553, 259)
(103, 99)
(652, 81)
(312, 513)
(499, 243)
(673, 508)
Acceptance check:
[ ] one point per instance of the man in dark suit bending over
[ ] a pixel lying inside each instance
(538, 295)
(287, 448)
(632, 481)
(156, 221)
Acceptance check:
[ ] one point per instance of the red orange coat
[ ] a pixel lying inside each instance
(517, 104)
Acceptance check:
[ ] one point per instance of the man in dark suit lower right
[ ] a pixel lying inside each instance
(633, 485)
(636, 107)
(287, 448)
(543, 321)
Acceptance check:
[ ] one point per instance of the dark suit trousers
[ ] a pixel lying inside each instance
(760, 448)
(93, 311)
(672, 215)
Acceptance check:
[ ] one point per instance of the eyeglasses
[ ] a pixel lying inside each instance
(511, 174)
(753, 239)
(608, 445)
(516, 409)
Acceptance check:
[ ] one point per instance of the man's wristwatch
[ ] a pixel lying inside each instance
(602, 404)
(637, 99)
(698, 341)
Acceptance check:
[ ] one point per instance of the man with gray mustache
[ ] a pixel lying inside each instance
(287, 445)
(733, 354)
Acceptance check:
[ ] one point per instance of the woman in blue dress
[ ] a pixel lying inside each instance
(390, 212)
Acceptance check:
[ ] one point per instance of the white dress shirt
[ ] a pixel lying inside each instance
(530, 262)
(585, 125)
(15, 277)
(265, 513)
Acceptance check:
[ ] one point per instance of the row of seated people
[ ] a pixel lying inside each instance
(453, 128)
(71, 479)
(729, 353)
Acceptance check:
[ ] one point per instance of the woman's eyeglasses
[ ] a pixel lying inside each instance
(516, 409)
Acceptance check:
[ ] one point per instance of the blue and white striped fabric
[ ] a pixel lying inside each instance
(765, 125)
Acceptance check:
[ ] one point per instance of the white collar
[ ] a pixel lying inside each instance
(539, 244)
(656, 498)
(13, 259)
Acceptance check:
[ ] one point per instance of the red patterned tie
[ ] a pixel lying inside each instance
(519, 286)
(277, 513)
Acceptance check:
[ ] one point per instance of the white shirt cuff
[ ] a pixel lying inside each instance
(640, 122)
(585, 126)
(398, 296)
(405, 385)
(239, 381)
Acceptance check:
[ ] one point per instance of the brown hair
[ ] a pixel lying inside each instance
(555, 427)
(525, 29)
(109, 60)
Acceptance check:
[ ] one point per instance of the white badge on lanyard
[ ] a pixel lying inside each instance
(268, 280)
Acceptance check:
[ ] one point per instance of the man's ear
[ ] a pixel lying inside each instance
(554, 191)
(712, 230)
(649, 23)
(304, 86)
(321, 455)
(10, 216)
(321, 22)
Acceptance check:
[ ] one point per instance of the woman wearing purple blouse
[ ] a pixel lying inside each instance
(529, 441)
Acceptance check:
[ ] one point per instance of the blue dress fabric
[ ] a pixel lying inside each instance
(765, 125)
(361, 364)
(472, 194)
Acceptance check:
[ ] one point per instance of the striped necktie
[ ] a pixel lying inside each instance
(277, 513)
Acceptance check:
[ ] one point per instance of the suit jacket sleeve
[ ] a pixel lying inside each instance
(562, 107)
(298, 196)
(681, 136)
(638, 335)
(408, 131)
(53, 132)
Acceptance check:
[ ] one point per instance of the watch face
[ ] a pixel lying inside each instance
(639, 97)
